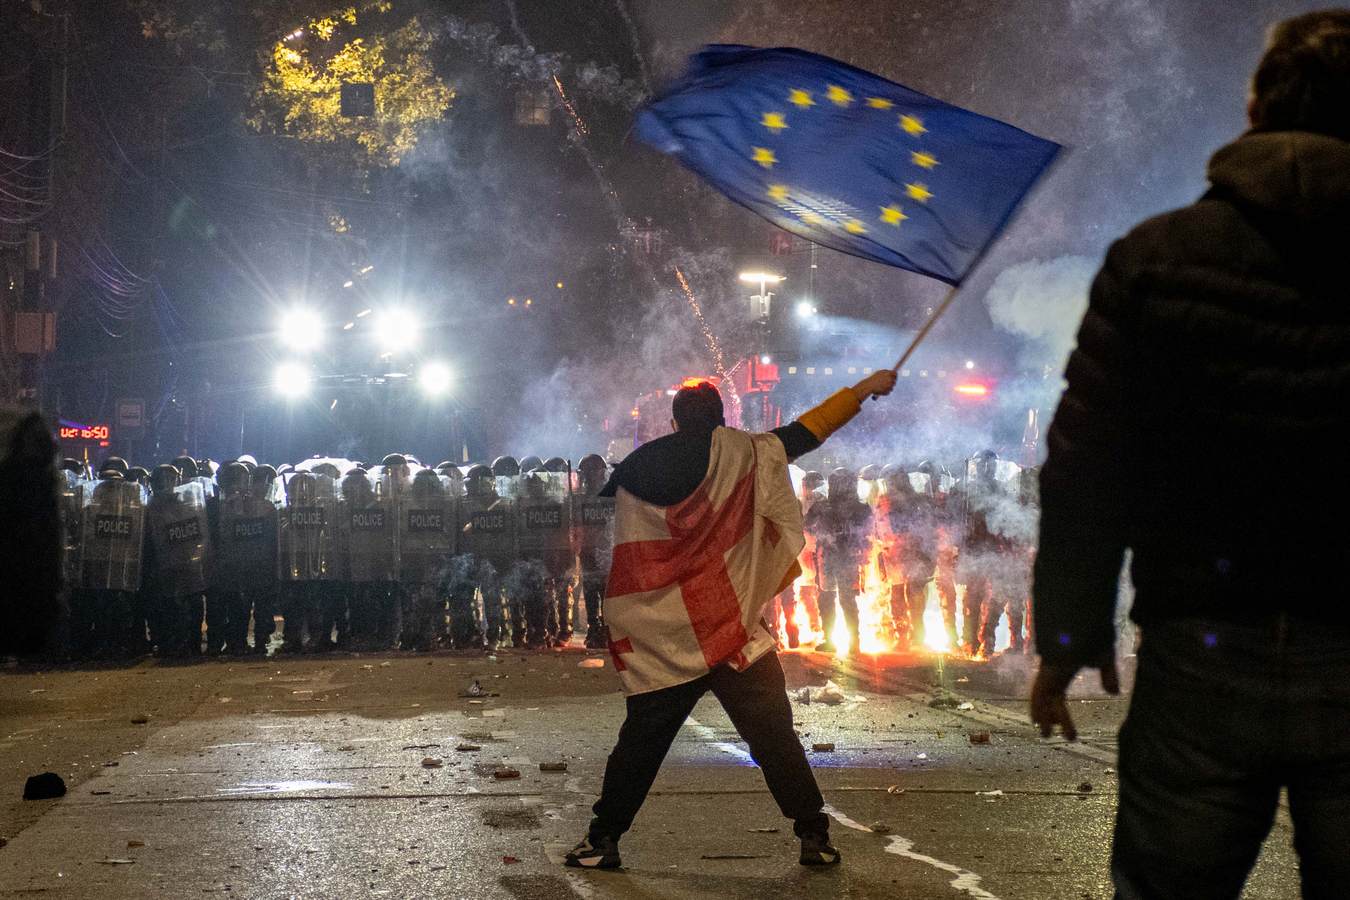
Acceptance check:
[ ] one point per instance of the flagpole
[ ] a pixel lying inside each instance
(927, 327)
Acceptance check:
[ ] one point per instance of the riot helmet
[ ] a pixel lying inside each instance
(186, 466)
(449, 470)
(479, 482)
(327, 468)
(72, 465)
(233, 478)
(986, 465)
(249, 460)
(394, 459)
(555, 464)
(110, 475)
(528, 464)
(139, 474)
(164, 479)
(261, 479)
(896, 479)
(594, 471)
(426, 483)
(300, 488)
(356, 486)
(843, 483)
(116, 463)
(869, 472)
(505, 465)
(812, 481)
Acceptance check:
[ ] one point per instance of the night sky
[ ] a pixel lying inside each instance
(190, 218)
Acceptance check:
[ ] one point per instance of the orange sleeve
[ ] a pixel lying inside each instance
(836, 412)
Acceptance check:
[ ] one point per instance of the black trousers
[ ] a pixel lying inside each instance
(1222, 717)
(756, 702)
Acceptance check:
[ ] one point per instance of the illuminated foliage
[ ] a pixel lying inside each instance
(299, 93)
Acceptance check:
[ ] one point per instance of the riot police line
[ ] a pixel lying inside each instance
(193, 558)
(906, 539)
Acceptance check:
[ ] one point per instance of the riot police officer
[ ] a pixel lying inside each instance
(504, 553)
(175, 562)
(985, 552)
(540, 574)
(369, 538)
(106, 612)
(246, 559)
(309, 556)
(426, 543)
(593, 534)
(841, 524)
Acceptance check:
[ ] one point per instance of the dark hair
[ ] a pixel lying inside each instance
(1303, 81)
(697, 408)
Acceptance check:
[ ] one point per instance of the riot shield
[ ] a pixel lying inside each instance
(308, 527)
(112, 527)
(247, 556)
(179, 537)
(488, 525)
(426, 529)
(369, 532)
(70, 507)
(542, 521)
(593, 533)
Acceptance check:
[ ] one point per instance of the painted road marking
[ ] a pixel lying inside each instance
(965, 880)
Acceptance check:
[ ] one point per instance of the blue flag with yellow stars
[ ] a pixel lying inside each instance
(846, 158)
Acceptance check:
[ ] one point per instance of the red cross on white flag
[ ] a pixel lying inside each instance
(689, 583)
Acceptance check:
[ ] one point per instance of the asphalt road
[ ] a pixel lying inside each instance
(305, 777)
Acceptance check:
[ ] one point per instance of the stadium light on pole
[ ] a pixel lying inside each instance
(396, 330)
(301, 329)
(434, 378)
(806, 309)
(291, 380)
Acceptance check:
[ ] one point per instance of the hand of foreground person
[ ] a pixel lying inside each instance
(1049, 707)
(878, 384)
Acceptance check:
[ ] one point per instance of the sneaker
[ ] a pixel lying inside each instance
(597, 853)
(817, 851)
(824, 647)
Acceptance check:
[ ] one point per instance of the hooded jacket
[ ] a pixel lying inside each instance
(1205, 420)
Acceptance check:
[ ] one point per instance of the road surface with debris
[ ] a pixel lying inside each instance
(385, 775)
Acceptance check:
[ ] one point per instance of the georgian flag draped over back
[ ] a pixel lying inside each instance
(689, 582)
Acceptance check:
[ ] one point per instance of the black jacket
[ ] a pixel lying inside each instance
(1205, 420)
(667, 470)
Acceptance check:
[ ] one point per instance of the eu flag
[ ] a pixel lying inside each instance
(846, 158)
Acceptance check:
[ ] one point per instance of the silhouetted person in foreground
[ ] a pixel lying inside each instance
(1216, 347)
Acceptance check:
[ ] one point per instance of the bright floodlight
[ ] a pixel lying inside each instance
(291, 380)
(765, 359)
(434, 378)
(806, 309)
(760, 277)
(301, 329)
(970, 364)
(396, 330)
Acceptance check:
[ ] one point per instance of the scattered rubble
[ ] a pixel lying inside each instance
(506, 772)
(431, 762)
(553, 767)
(979, 737)
(591, 662)
(824, 747)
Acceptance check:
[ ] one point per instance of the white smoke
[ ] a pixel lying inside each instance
(1042, 302)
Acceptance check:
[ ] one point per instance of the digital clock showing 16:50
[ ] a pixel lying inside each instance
(73, 431)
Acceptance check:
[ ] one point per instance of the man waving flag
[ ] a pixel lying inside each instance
(846, 158)
(707, 531)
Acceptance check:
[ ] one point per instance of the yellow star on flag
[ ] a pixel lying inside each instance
(774, 121)
(853, 226)
(764, 156)
(879, 103)
(923, 160)
(918, 192)
(778, 192)
(838, 96)
(892, 215)
(800, 98)
(811, 218)
(912, 125)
